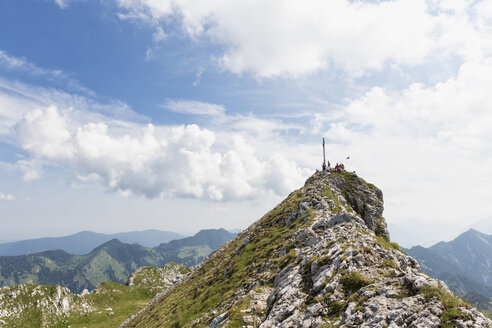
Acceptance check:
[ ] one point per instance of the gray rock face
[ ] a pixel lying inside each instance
(321, 258)
(347, 274)
(159, 278)
(53, 301)
(52, 306)
(365, 199)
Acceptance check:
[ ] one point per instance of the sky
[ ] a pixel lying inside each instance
(120, 115)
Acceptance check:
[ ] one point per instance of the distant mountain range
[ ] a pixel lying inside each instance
(426, 233)
(484, 225)
(416, 232)
(112, 261)
(83, 242)
(464, 264)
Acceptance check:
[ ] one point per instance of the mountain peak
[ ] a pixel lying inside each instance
(321, 258)
(348, 195)
(110, 244)
(473, 231)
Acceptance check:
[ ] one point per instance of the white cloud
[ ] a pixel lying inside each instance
(157, 38)
(291, 37)
(6, 196)
(17, 99)
(45, 134)
(156, 161)
(456, 111)
(429, 145)
(15, 63)
(63, 4)
(194, 107)
(159, 35)
(23, 65)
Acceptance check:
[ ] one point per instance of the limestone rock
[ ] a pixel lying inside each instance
(321, 258)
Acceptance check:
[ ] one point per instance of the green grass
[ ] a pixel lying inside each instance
(338, 205)
(123, 301)
(222, 276)
(235, 315)
(488, 313)
(353, 281)
(195, 252)
(214, 286)
(387, 244)
(380, 230)
(389, 263)
(451, 303)
(336, 307)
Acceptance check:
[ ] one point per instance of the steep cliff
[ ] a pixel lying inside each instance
(321, 258)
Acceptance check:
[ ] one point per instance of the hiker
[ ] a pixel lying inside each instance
(323, 167)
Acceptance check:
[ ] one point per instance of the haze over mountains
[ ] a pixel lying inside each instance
(83, 242)
(112, 261)
(321, 258)
(465, 264)
(411, 233)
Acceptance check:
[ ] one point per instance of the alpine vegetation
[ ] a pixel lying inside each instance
(108, 305)
(321, 258)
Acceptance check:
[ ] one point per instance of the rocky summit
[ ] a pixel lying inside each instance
(321, 258)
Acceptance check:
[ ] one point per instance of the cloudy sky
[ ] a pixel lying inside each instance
(120, 115)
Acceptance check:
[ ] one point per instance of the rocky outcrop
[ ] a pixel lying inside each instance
(54, 301)
(321, 258)
(364, 198)
(48, 306)
(158, 278)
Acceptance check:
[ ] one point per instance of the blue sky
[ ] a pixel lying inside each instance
(178, 114)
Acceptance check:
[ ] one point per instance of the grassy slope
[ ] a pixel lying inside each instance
(111, 305)
(111, 261)
(233, 267)
(227, 271)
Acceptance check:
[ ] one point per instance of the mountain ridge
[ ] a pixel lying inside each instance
(113, 260)
(463, 263)
(469, 254)
(321, 258)
(83, 242)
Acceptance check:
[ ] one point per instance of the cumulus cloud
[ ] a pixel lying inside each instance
(194, 107)
(6, 196)
(291, 38)
(417, 140)
(456, 111)
(155, 161)
(17, 99)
